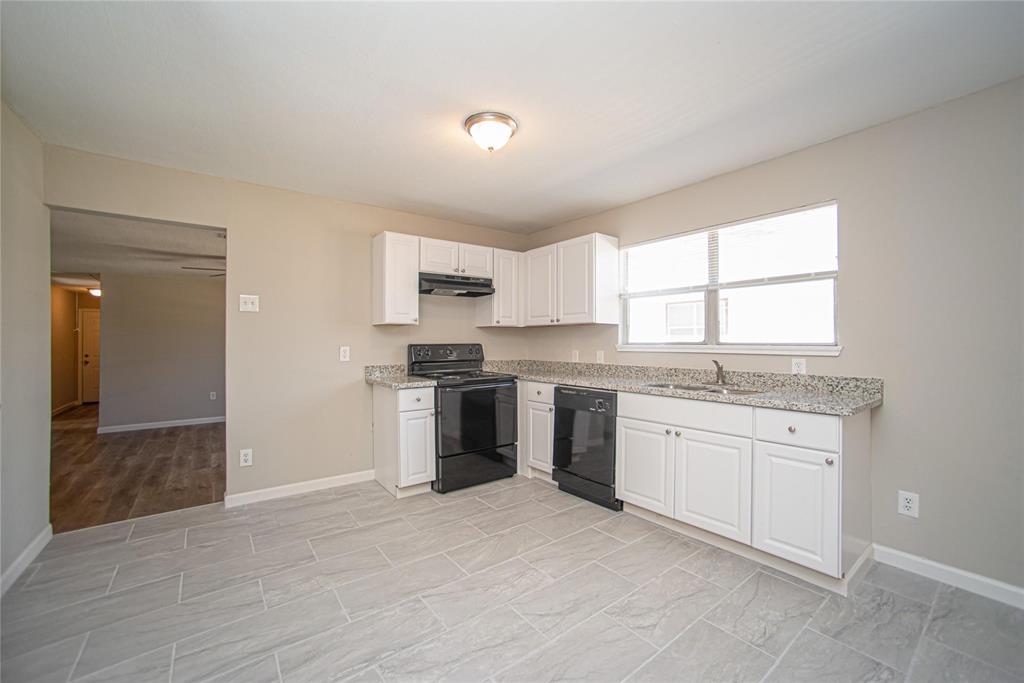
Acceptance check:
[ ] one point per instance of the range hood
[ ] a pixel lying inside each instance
(455, 285)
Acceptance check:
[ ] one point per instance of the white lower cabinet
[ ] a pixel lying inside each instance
(540, 434)
(796, 505)
(644, 464)
(416, 447)
(712, 482)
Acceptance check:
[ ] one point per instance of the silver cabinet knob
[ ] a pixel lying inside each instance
(552, 320)
(551, 409)
(431, 412)
(415, 320)
(668, 431)
(792, 429)
(463, 270)
(497, 322)
(830, 461)
(456, 270)
(679, 433)
(538, 392)
(558, 320)
(419, 398)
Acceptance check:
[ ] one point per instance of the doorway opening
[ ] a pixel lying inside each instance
(138, 325)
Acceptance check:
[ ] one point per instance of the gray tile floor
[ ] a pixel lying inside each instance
(510, 581)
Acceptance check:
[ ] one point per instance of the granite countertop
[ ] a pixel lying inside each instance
(823, 394)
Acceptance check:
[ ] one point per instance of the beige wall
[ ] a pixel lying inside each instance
(162, 349)
(63, 347)
(305, 414)
(930, 299)
(24, 342)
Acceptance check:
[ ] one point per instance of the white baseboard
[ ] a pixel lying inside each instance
(27, 556)
(236, 499)
(67, 406)
(110, 429)
(969, 581)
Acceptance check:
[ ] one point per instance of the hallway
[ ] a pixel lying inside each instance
(101, 478)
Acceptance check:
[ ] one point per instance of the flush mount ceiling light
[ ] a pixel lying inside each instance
(96, 292)
(491, 130)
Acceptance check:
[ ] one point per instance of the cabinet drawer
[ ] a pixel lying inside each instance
(540, 392)
(415, 399)
(797, 429)
(704, 415)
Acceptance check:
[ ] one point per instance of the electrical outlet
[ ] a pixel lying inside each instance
(344, 354)
(575, 356)
(600, 356)
(249, 303)
(245, 457)
(799, 366)
(907, 504)
(213, 395)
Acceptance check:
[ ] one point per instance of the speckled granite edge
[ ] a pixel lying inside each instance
(823, 394)
(394, 376)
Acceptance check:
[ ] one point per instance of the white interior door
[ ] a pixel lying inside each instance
(89, 322)
(712, 482)
(796, 505)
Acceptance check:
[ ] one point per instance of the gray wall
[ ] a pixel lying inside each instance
(24, 342)
(930, 299)
(161, 349)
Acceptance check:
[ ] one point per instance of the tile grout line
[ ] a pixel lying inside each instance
(113, 576)
(815, 631)
(805, 627)
(277, 663)
(174, 652)
(78, 657)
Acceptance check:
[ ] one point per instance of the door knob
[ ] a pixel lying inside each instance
(85, 363)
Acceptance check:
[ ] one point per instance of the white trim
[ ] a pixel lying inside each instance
(27, 556)
(236, 499)
(109, 429)
(760, 350)
(67, 406)
(961, 578)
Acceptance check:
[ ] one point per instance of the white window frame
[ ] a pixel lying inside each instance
(711, 302)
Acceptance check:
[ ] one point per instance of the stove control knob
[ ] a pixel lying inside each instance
(450, 351)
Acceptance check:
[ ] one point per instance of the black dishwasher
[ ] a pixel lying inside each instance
(584, 447)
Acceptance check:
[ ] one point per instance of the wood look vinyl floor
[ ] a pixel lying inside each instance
(101, 478)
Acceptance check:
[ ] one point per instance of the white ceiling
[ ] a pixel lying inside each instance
(84, 243)
(365, 101)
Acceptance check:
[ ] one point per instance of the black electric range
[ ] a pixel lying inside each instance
(475, 414)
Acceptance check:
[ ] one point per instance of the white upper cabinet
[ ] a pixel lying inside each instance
(442, 256)
(573, 282)
(796, 505)
(712, 482)
(539, 286)
(439, 256)
(476, 261)
(395, 285)
(501, 309)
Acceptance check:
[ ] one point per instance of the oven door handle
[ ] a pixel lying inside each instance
(471, 387)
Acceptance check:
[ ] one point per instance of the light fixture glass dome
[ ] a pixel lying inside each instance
(491, 130)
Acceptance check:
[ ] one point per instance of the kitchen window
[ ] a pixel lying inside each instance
(766, 285)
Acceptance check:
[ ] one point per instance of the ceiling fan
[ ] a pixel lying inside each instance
(221, 272)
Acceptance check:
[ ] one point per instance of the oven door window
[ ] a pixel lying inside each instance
(473, 418)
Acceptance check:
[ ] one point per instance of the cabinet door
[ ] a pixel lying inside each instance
(401, 280)
(416, 447)
(575, 270)
(476, 261)
(712, 482)
(796, 505)
(540, 434)
(439, 256)
(540, 286)
(644, 464)
(505, 304)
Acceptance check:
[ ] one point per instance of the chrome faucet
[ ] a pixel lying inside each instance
(719, 372)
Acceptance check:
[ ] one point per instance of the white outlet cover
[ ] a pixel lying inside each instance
(213, 395)
(245, 457)
(600, 356)
(799, 366)
(249, 303)
(575, 356)
(908, 503)
(344, 354)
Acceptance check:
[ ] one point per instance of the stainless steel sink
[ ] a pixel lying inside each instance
(709, 388)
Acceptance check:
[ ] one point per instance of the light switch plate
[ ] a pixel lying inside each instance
(249, 303)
